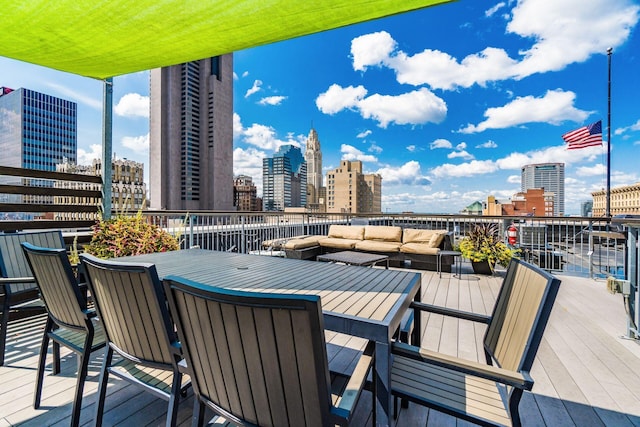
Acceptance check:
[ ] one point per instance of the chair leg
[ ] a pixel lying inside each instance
(55, 367)
(44, 347)
(174, 399)
(198, 413)
(4, 322)
(102, 386)
(83, 368)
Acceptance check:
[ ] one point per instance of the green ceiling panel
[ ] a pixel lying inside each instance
(108, 38)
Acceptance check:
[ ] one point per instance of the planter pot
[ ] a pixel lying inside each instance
(482, 267)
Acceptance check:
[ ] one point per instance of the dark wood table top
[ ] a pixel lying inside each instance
(353, 258)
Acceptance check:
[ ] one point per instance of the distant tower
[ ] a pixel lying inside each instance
(313, 157)
(191, 135)
(550, 177)
(284, 179)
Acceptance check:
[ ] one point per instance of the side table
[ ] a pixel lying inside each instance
(456, 258)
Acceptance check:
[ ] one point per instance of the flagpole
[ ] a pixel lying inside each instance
(608, 207)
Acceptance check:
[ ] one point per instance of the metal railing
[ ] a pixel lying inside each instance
(580, 246)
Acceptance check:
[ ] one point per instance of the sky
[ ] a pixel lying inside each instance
(445, 103)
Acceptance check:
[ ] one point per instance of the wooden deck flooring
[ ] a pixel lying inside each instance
(585, 373)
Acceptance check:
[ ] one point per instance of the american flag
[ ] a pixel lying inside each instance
(586, 136)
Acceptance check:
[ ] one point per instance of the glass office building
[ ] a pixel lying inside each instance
(37, 131)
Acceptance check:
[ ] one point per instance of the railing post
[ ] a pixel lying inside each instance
(192, 218)
(243, 235)
(590, 252)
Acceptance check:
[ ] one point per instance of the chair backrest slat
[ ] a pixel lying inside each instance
(12, 259)
(131, 304)
(520, 315)
(57, 284)
(261, 358)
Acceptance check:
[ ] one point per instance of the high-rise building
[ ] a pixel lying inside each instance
(313, 157)
(191, 135)
(244, 194)
(284, 179)
(548, 176)
(351, 191)
(37, 131)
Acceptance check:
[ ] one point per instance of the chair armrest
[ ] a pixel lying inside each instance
(10, 280)
(356, 382)
(481, 318)
(521, 380)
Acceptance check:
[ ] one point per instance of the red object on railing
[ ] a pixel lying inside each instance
(512, 235)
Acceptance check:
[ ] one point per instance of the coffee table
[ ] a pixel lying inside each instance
(354, 258)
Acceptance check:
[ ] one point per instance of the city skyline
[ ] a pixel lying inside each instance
(446, 103)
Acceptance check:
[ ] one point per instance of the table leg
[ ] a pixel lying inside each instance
(382, 379)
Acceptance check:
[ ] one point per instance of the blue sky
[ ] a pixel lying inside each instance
(446, 103)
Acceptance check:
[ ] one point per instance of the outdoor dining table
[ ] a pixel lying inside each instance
(359, 301)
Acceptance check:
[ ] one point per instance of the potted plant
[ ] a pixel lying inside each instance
(483, 247)
(129, 235)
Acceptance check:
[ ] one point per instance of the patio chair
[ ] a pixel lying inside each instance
(69, 322)
(484, 394)
(18, 291)
(260, 359)
(132, 307)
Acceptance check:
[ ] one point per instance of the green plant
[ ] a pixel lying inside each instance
(129, 235)
(483, 244)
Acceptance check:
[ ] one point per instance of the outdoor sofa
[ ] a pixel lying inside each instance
(420, 247)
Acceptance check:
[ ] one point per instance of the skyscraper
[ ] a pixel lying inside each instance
(284, 179)
(349, 190)
(548, 176)
(37, 131)
(191, 135)
(313, 157)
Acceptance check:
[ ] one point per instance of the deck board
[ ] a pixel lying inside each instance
(585, 373)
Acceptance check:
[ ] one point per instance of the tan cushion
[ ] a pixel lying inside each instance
(431, 238)
(378, 246)
(383, 233)
(332, 242)
(418, 248)
(300, 243)
(353, 232)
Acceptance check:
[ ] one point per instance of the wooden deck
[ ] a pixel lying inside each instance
(585, 373)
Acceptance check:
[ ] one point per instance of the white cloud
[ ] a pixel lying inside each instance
(349, 152)
(265, 138)
(463, 154)
(245, 74)
(364, 134)
(77, 96)
(440, 143)
(235, 76)
(237, 126)
(86, 157)
(595, 170)
(412, 148)
(337, 98)
(374, 148)
(255, 88)
(138, 144)
(633, 127)
(416, 107)
(488, 13)
(132, 105)
(249, 162)
(514, 179)
(407, 174)
(554, 107)
(488, 144)
(371, 49)
(474, 167)
(461, 146)
(559, 33)
(272, 100)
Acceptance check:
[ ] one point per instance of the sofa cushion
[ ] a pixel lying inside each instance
(378, 246)
(301, 243)
(430, 238)
(383, 233)
(338, 243)
(353, 232)
(418, 248)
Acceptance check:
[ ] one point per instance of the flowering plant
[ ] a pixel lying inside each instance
(129, 235)
(483, 244)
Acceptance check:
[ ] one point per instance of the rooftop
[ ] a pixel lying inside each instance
(585, 372)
